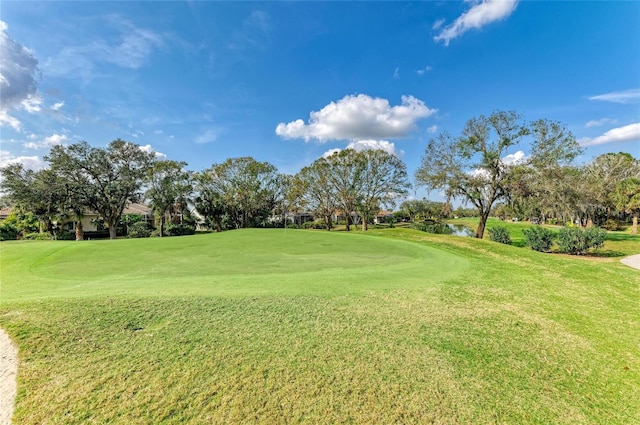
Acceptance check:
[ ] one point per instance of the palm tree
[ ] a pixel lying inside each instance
(627, 197)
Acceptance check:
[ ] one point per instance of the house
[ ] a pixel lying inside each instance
(4, 213)
(91, 221)
(382, 217)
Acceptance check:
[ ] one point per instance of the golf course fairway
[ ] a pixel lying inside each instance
(273, 326)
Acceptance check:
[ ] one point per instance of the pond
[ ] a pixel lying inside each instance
(460, 230)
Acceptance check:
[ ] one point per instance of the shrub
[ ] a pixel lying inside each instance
(179, 229)
(315, 224)
(37, 236)
(66, 236)
(139, 229)
(8, 232)
(613, 225)
(577, 241)
(500, 234)
(538, 238)
(435, 228)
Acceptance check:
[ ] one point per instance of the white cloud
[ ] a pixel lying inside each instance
(396, 74)
(358, 117)
(600, 122)
(54, 139)
(57, 106)
(129, 47)
(254, 32)
(208, 136)
(424, 70)
(480, 14)
(32, 103)
(626, 96)
(330, 152)
(18, 71)
(7, 120)
(438, 24)
(28, 162)
(432, 129)
(514, 158)
(362, 145)
(149, 149)
(626, 133)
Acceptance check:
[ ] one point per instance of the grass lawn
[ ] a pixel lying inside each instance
(268, 326)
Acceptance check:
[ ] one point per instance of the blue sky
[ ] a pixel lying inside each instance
(287, 82)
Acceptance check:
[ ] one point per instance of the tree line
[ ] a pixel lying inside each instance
(237, 193)
(241, 192)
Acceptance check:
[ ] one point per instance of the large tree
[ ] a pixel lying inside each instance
(627, 196)
(242, 190)
(42, 193)
(168, 184)
(472, 167)
(383, 179)
(312, 190)
(345, 177)
(600, 178)
(547, 183)
(104, 180)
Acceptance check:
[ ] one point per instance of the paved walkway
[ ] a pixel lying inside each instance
(633, 261)
(8, 373)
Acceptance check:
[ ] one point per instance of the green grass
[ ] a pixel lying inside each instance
(263, 326)
(617, 244)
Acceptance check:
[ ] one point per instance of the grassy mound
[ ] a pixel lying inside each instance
(263, 326)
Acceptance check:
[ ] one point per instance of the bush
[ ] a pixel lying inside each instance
(66, 236)
(36, 236)
(179, 229)
(500, 234)
(577, 241)
(8, 232)
(139, 230)
(435, 228)
(613, 225)
(315, 224)
(538, 238)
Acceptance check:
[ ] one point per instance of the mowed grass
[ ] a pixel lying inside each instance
(263, 326)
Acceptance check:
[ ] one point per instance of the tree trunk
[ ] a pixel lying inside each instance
(483, 222)
(348, 217)
(634, 230)
(364, 222)
(50, 227)
(162, 225)
(79, 231)
(218, 224)
(112, 230)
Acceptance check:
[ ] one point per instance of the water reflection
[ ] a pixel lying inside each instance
(460, 230)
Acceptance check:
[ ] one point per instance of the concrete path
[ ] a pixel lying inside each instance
(633, 261)
(8, 375)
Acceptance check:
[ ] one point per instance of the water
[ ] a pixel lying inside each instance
(460, 230)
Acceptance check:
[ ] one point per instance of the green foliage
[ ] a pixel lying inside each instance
(538, 238)
(102, 179)
(179, 229)
(8, 231)
(613, 225)
(576, 241)
(433, 227)
(500, 234)
(315, 224)
(37, 236)
(66, 236)
(139, 229)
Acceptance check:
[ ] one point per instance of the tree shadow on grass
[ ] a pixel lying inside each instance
(606, 254)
